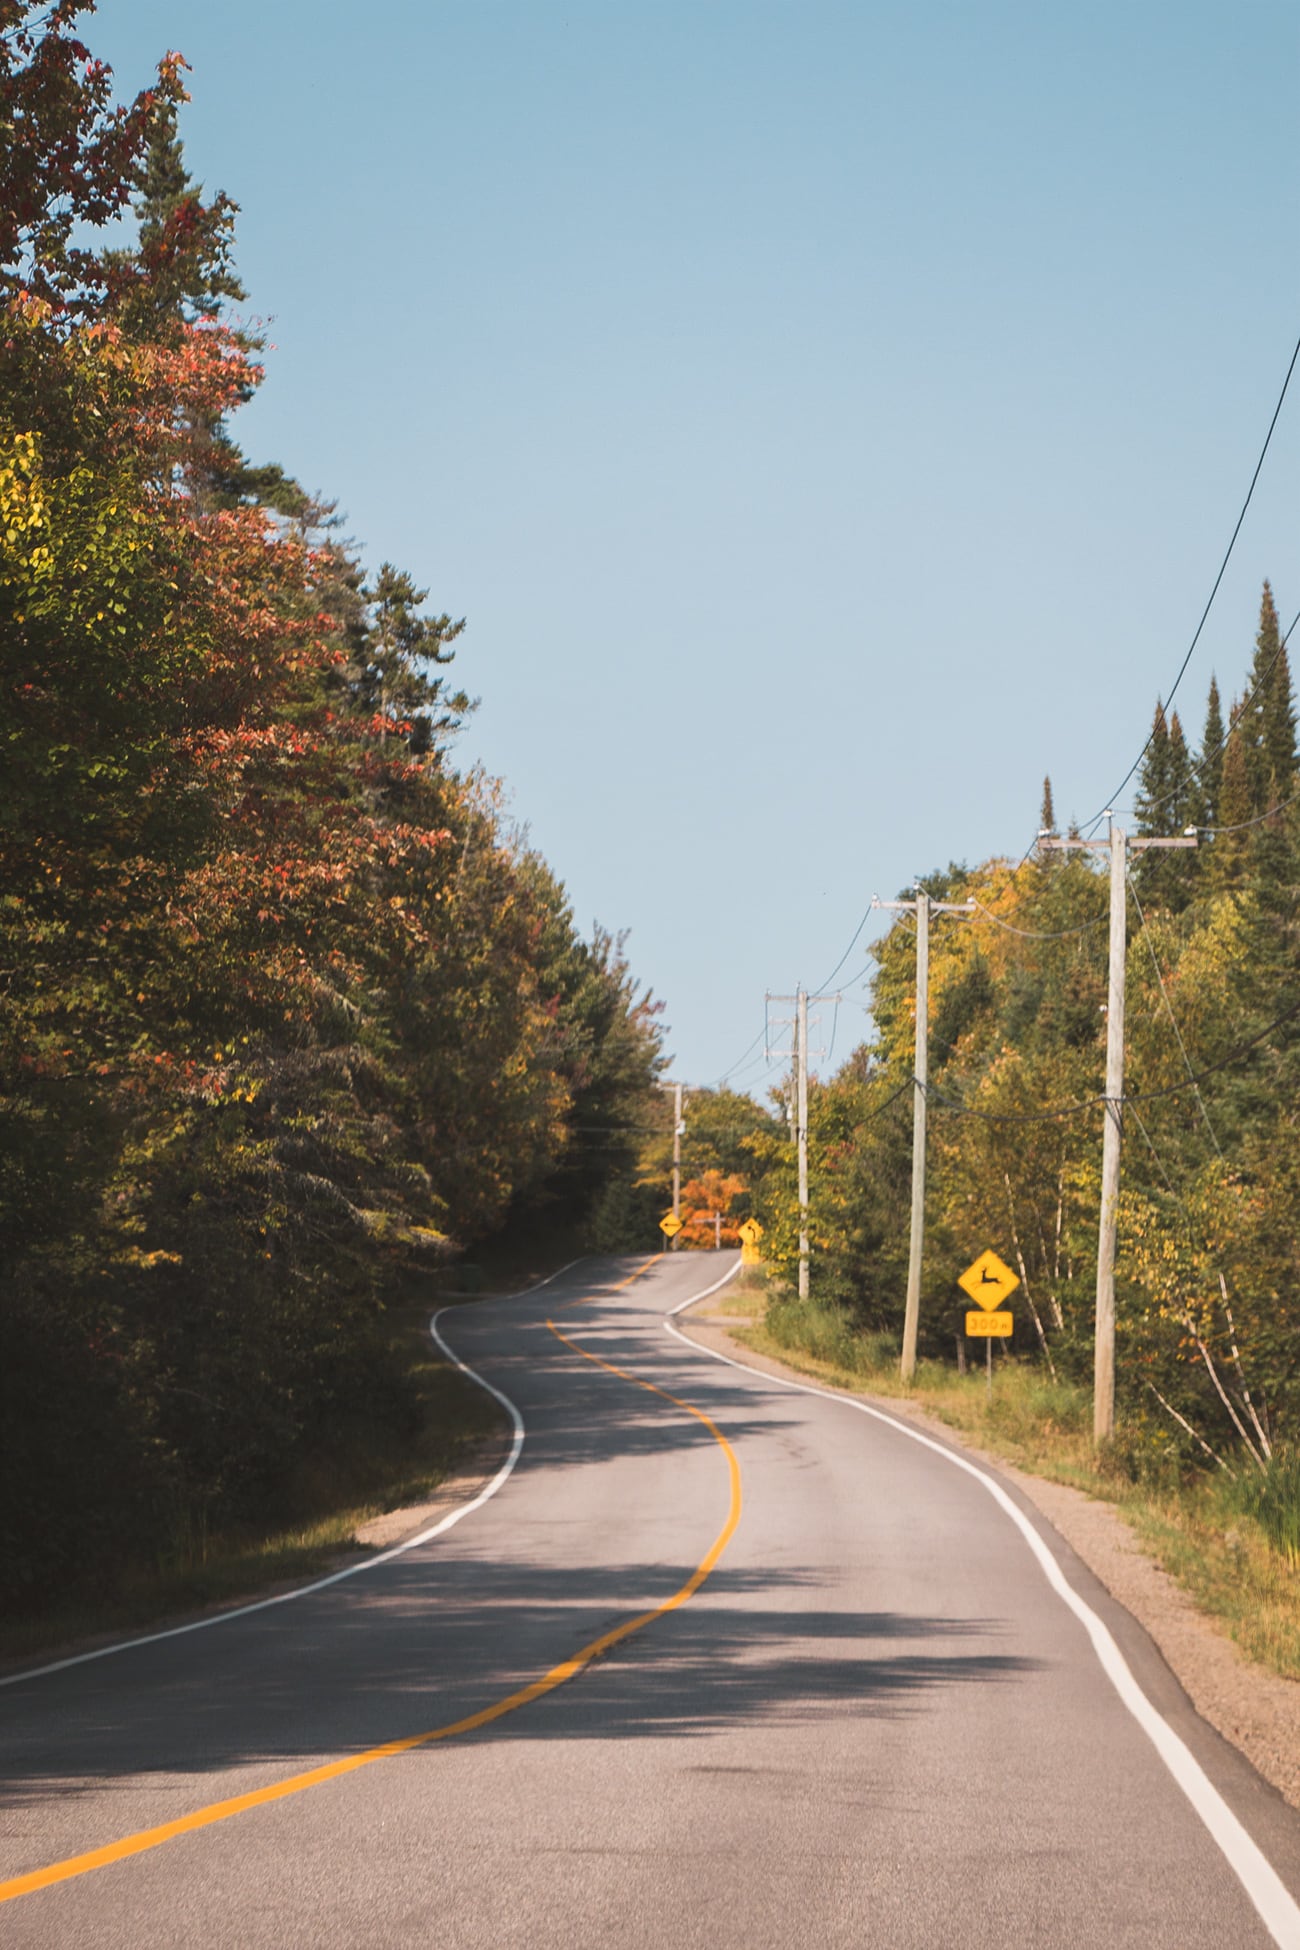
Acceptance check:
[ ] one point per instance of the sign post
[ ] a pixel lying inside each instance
(988, 1281)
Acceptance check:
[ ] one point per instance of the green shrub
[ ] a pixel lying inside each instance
(1273, 1500)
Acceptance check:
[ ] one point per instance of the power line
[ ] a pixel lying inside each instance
(958, 1109)
(1169, 1007)
(1037, 934)
(741, 1058)
(1160, 1163)
(1169, 697)
(847, 952)
(1245, 825)
(1194, 771)
(835, 1019)
(1182, 668)
(1211, 1069)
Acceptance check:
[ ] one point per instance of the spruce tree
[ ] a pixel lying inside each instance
(1236, 809)
(1047, 812)
(1277, 719)
(182, 267)
(1180, 777)
(1209, 766)
(1268, 715)
(1173, 872)
(1155, 779)
(181, 271)
(1162, 806)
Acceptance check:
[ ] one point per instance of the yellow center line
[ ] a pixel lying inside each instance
(168, 1831)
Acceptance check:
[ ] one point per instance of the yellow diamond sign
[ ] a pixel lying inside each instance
(750, 1233)
(670, 1225)
(988, 1281)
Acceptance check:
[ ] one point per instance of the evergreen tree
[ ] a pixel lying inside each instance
(1277, 727)
(1204, 805)
(181, 268)
(1236, 809)
(1155, 779)
(1268, 720)
(389, 675)
(179, 274)
(1174, 873)
(1163, 805)
(1268, 713)
(1047, 812)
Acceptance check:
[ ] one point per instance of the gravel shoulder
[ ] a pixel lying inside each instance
(395, 1526)
(1258, 1711)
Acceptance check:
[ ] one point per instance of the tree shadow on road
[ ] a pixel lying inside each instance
(296, 1689)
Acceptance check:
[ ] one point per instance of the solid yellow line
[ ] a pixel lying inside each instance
(147, 1838)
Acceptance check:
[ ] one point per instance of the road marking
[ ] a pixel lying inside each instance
(150, 1838)
(1274, 1902)
(349, 1570)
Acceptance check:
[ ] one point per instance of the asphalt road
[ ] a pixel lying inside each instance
(873, 1721)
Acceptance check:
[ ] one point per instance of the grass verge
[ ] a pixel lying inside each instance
(1206, 1532)
(361, 1477)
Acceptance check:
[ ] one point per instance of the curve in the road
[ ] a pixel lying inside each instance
(1277, 1908)
(219, 1811)
(349, 1570)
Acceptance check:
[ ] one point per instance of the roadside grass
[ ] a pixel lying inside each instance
(368, 1472)
(1227, 1543)
(743, 1298)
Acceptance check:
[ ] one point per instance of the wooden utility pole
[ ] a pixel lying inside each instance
(923, 907)
(801, 999)
(678, 1128)
(677, 1155)
(1103, 1381)
(801, 1132)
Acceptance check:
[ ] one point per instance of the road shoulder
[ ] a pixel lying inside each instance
(1257, 1712)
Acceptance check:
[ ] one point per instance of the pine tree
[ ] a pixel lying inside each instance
(1047, 812)
(389, 675)
(1204, 806)
(1162, 806)
(1155, 779)
(182, 266)
(1269, 720)
(1181, 783)
(1235, 809)
(181, 272)
(1277, 721)
(1268, 715)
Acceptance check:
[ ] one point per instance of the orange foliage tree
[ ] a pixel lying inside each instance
(706, 1201)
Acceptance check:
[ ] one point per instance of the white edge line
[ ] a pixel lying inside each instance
(349, 1571)
(695, 1298)
(1272, 1899)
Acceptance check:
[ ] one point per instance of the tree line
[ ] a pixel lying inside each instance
(287, 1004)
(1208, 1276)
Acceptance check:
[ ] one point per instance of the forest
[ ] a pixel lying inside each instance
(1208, 1310)
(291, 1012)
(289, 1008)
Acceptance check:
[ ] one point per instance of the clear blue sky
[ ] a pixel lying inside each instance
(829, 418)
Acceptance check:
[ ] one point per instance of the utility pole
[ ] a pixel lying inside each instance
(923, 907)
(677, 1154)
(801, 1044)
(801, 999)
(678, 1128)
(1103, 1384)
